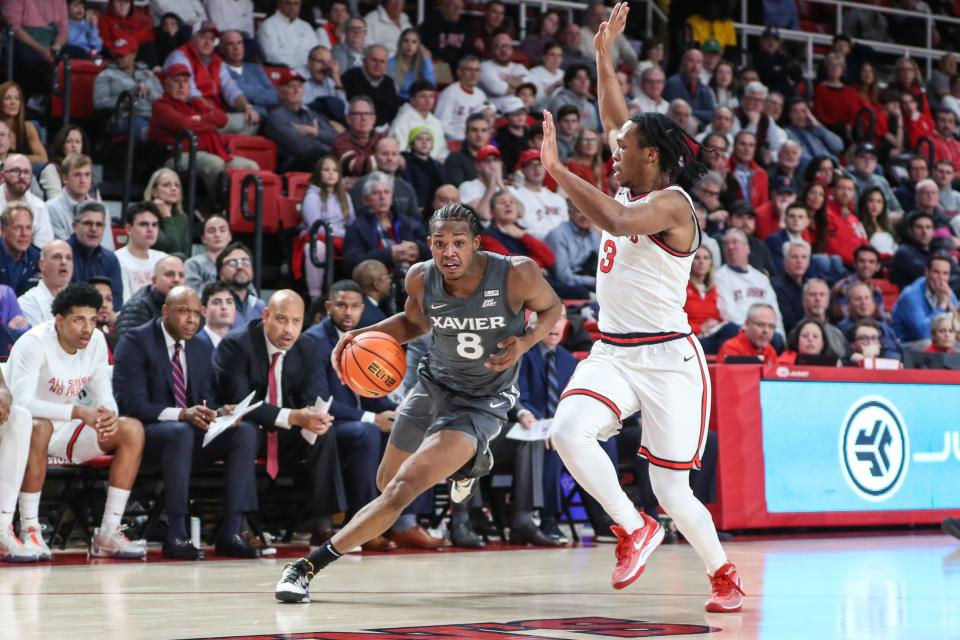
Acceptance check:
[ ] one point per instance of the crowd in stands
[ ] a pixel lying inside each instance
(829, 215)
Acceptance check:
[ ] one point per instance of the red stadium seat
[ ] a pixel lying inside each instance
(297, 183)
(256, 148)
(83, 73)
(272, 191)
(580, 355)
(289, 212)
(454, 145)
(890, 293)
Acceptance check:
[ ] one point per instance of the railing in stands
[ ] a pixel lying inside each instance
(257, 219)
(64, 86)
(312, 251)
(9, 55)
(925, 141)
(191, 191)
(125, 104)
(841, 5)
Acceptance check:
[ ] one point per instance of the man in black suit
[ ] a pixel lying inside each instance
(361, 424)
(161, 376)
(269, 357)
(374, 281)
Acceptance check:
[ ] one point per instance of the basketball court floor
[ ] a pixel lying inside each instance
(811, 588)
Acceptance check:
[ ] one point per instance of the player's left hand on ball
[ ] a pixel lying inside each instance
(512, 350)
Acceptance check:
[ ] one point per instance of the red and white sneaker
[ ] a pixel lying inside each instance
(726, 592)
(633, 549)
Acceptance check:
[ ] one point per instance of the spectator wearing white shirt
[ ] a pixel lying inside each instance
(548, 76)
(622, 51)
(651, 100)
(739, 286)
(543, 210)
(284, 38)
(386, 23)
(419, 113)
(137, 259)
(499, 76)
(189, 11)
(232, 15)
(56, 271)
(461, 99)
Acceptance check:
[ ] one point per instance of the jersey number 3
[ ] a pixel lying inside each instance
(609, 253)
(469, 345)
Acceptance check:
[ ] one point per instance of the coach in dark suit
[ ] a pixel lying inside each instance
(268, 356)
(544, 372)
(374, 281)
(358, 423)
(161, 376)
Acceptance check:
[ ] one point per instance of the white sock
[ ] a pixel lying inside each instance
(29, 510)
(672, 489)
(14, 449)
(575, 427)
(113, 509)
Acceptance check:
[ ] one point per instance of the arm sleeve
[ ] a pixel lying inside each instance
(24, 377)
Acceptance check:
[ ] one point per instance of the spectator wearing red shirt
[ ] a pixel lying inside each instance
(754, 338)
(701, 307)
(834, 103)
(783, 193)
(943, 336)
(868, 97)
(844, 230)
(121, 22)
(916, 123)
(175, 111)
(746, 180)
(356, 145)
(945, 143)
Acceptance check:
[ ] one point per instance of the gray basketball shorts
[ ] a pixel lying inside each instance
(430, 408)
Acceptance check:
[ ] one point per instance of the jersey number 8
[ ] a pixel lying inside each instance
(469, 346)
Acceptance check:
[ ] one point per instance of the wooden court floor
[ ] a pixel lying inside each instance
(870, 588)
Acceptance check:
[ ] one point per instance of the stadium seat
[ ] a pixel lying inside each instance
(83, 73)
(272, 191)
(256, 148)
(297, 183)
(890, 293)
(288, 211)
(454, 145)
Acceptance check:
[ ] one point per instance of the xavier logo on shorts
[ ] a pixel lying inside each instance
(874, 449)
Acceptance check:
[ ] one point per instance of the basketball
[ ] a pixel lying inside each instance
(373, 364)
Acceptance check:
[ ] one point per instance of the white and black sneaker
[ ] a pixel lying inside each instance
(460, 490)
(294, 585)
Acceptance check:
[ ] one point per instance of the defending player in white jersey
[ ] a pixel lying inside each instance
(50, 366)
(647, 358)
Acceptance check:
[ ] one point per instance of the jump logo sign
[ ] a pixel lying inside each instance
(592, 627)
(874, 449)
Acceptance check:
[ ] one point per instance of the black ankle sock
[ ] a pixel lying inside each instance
(323, 556)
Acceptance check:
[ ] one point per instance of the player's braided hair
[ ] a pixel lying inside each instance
(457, 212)
(678, 150)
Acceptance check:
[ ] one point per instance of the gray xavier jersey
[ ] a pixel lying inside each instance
(466, 331)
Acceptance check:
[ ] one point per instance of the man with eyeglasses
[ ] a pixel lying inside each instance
(500, 76)
(708, 192)
(147, 303)
(355, 146)
(18, 175)
(284, 38)
(754, 338)
(90, 259)
(322, 88)
(650, 94)
(371, 80)
(461, 99)
(350, 51)
(235, 268)
(865, 341)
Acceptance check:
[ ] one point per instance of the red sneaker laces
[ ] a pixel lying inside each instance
(624, 546)
(723, 584)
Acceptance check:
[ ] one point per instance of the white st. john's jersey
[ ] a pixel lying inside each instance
(642, 282)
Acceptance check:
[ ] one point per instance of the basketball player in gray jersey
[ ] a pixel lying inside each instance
(474, 303)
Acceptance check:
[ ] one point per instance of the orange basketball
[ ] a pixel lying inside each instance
(373, 364)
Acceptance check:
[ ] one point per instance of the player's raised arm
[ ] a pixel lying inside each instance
(613, 104)
(527, 289)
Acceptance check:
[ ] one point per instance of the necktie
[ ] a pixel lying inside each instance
(179, 380)
(273, 464)
(553, 384)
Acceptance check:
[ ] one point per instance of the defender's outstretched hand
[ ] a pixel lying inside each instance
(611, 28)
(549, 154)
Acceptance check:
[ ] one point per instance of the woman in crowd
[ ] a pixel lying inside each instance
(70, 140)
(201, 269)
(547, 77)
(653, 53)
(943, 334)
(872, 211)
(907, 79)
(587, 159)
(335, 26)
(121, 26)
(916, 123)
(411, 63)
(834, 103)
(868, 96)
(326, 199)
(170, 34)
(807, 338)
(13, 113)
(163, 189)
(533, 45)
(701, 306)
(724, 86)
